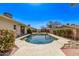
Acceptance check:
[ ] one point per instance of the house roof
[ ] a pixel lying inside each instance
(13, 20)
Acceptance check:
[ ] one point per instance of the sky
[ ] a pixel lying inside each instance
(39, 14)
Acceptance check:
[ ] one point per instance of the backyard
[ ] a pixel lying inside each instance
(43, 29)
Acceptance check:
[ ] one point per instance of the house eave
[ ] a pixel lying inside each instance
(10, 19)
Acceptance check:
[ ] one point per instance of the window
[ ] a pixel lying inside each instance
(14, 27)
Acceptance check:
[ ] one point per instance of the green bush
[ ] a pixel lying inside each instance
(29, 31)
(7, 40)
(63, 32)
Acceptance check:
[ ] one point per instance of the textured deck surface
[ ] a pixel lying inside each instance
(51, 49)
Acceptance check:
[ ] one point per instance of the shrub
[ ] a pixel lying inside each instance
(63, 32)
(7, 40)
(29, 31)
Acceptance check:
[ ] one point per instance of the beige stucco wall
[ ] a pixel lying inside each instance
(5, 23)
(75, 32)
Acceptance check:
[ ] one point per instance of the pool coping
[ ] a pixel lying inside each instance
(55, 45)
(22, 37)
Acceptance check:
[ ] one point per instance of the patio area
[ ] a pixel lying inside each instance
(71, 48)
(51, 49)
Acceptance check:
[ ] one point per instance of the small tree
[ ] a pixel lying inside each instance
(29, 31)
(7, 14)
(53, 24)
(67, 24)
(7, 40)
(50, 24)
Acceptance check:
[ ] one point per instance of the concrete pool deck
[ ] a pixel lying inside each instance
(51, 49)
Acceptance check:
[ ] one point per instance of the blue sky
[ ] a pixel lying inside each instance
(40, 13)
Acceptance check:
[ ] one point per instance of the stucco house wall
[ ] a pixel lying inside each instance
(77, 33)
(75, 30)
(7, 23)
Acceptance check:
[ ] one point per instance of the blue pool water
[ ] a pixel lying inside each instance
(40, 39)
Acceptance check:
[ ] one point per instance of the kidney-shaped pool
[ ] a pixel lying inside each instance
(40, 38)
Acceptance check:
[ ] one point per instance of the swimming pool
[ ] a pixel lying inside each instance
(40, 39)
